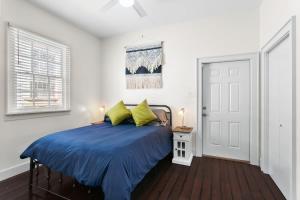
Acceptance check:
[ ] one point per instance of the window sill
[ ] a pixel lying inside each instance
(35, 112)
(35, 115)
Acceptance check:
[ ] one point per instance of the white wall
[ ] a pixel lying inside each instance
(183, 44)
(273, 15)
(16, 133)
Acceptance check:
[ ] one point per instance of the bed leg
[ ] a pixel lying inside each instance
(31, 167)
(48, 174)
(37, 169)
(74, 183)
(48, 177)
(60, 177)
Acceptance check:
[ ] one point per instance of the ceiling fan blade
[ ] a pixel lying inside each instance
(139, 9)
(109, 5)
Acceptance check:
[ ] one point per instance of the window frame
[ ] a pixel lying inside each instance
(11, 108)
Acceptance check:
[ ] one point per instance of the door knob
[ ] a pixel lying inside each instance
(280, 125)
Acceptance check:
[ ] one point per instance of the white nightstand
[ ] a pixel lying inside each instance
(182, 147)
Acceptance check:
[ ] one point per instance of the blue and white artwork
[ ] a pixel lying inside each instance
(144, 66)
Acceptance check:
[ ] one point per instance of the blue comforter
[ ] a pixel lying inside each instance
(113, 157)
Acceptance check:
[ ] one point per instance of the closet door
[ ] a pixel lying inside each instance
(280, 115)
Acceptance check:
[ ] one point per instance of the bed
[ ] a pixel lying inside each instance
(115, 158)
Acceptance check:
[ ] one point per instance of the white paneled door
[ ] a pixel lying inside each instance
(280, 116)
(278, 106)
(226, 110)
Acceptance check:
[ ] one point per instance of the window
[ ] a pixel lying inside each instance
(38, 74)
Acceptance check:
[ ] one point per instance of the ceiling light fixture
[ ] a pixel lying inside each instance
(126, 3)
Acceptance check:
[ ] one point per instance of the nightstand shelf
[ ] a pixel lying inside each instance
(182, 142)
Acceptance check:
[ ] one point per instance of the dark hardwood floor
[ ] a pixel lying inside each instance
(207, 178)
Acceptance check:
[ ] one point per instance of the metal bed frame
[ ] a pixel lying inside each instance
(34, 163)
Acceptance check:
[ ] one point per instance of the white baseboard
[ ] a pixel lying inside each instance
(181, 161)
(14, 170)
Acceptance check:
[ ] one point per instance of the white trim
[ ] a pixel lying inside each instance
(288, 30)
(254, 110)
(14, 170)
(185, 162)
(66, 81)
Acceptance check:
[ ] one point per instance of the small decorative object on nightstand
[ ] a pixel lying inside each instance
(182, 145)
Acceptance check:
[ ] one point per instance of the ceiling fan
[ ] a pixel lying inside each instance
(126, 3)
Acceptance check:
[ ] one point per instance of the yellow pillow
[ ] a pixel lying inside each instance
(142, 114)
(118, 113)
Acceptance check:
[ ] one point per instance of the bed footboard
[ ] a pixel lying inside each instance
(34, 165)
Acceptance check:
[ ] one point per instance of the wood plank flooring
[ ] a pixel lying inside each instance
(207, 179)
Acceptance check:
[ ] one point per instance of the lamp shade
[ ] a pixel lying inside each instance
(102, 109)
(181, 111)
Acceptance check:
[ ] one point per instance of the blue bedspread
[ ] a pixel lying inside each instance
(115, 158)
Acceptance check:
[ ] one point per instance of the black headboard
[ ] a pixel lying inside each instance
(165, 107)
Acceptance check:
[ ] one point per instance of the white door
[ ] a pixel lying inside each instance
(226, 110)
(280, 115)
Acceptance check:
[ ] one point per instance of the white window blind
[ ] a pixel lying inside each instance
(38, 74)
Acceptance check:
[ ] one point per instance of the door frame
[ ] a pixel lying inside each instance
(288, 30)
(253, 58)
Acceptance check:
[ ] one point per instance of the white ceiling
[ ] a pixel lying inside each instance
(87, 14)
